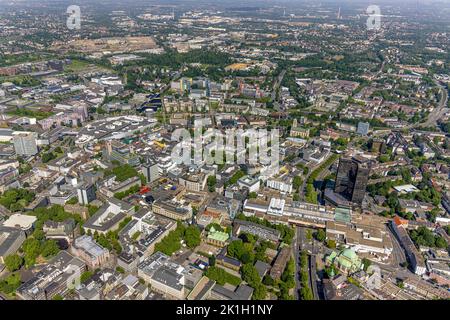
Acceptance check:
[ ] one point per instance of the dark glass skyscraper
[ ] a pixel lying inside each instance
(352, 177)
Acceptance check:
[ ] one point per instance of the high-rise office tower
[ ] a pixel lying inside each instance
(352, 178)
(151, 171)
(86, 193)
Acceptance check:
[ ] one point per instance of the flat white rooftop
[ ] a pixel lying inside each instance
(22, 221)
(407, 188)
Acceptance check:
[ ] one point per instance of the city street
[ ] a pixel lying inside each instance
(303, 244)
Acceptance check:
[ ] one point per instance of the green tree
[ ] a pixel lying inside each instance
(211, 181)
(424, 237)
(120, 269)
(39, 234)
(320, 235)
(92, 209)
(86, 276)
(297, 182)
(366, 263)
(235, 248)
(331, 244)
(311, 194)
(73, 200)
(47, 157)
(306, 293)
(239, 174)
(268, 280)
(259, 292)
(31, 248)
(440, 242)
(247, 237)
(122, 172)
(171, 243)
(221, 276)
(216, 226)
(11, 283)
(212, 261)
(288, 276)
(49, 248)
(250, 275)
(16, 199)
(192, 236)
(447, 229)
(13, 262)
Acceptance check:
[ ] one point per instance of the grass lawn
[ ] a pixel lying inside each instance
(221, 276)
(39, 115)
(76, 66)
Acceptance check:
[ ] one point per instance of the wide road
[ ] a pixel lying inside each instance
(313, 275)
(296, 248)
(437, 113)
(277, 84)
(303, 244)
(398, 254)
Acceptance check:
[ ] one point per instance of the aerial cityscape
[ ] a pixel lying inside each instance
(224, 150)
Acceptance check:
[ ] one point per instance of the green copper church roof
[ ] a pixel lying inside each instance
(217, 235)
(350, 254)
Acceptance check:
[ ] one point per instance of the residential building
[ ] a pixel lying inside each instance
(139, 237)
(414, 257)
(282, 183)
(172, 210)
(108, 217)
(64, 229)
(116, 150)
(164, 276)
(242, 292)
(57, 277)
(299, 132)
(280, 263)
(228, 262)
(262, 268)
(255, 229)
(10, 241)
(94, 255)
(252, 184)
(193, 182)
